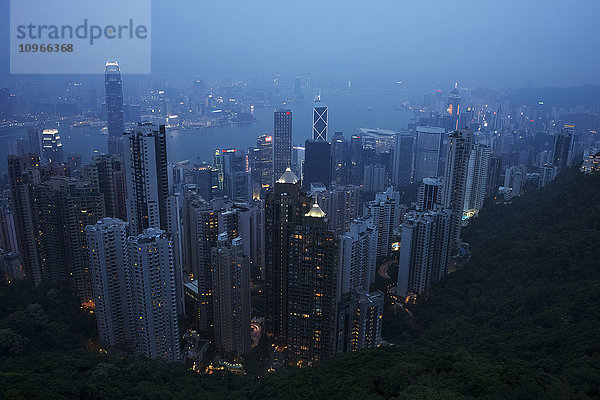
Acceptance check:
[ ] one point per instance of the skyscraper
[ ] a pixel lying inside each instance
(108, 171)
(403, 159)
(358, 256)
(320, 120)
(109, 268)
(374, 179)
(455, 181)
(284, 209)
(359, 320)
(429, 152)
(147, 180)
(317, 163)
(264, 161)
(282, 142)
(154, 298)
(429, 194)
(424, 250)
(562, 148)
(494, 172)
(342, 205)
(312, 288)
(454, 107)
(386, 213)
(231, 298)
(52, 150)
(114, 107)
(477, 176)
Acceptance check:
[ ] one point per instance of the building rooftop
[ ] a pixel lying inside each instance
(288, 177)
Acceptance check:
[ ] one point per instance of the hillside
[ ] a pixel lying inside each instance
(520, 321)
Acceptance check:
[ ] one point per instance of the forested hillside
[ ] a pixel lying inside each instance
(521, 320)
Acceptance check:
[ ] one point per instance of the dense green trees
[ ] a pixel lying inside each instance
(521, 320)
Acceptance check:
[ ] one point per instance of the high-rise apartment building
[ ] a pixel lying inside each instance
(358, 256)
(154, 299)
(147, 178)
(429, 152)
(429, 194)
(477, 176)
(231, 297)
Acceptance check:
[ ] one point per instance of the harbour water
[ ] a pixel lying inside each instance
(348, 110)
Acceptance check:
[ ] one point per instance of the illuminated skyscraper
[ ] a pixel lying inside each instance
(264, 161)
(113, 88)
(312, 288)
(284, 209)
(320, 120)
(282, 142)
(454, 106)
(52, 149)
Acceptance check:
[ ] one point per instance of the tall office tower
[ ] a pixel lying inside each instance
(18, 147)
(317, 163)
(360, 320)
(8, 230)
(298, 156)
(284, 209)
(358, 256)
(424, 250)
(298, 95)
(154, 301)
(562, 148)
(113, 89)
(493, 180)
(455, 181)
(342, 204)
(454, 107)
(35, 141)
(320, 120)
(109, 268)
(429, 194)
(251, 225)
(403, 159)
(312, 288)
(239, 186)
(231, 296)
(282, 142)
(387, 214)
(108, 172)
(198, 94)
(356, 160)
(206, 179)
(477, 175)
(21, 184)
(52, 150)
(374, 178)
(147, 180)
(429, 152)
(340, 154)
(264, 161)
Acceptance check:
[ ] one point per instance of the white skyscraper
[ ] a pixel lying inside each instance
(107, 250)
(358, 256)
(154, 298)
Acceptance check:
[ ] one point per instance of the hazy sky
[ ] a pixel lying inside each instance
(497, 43)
